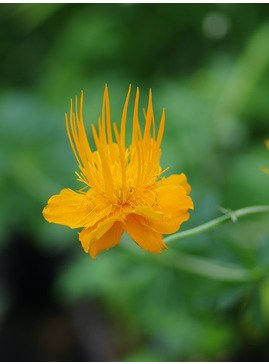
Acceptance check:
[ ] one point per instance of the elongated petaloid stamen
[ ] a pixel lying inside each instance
(149, 142)
(148, 119)
(122, 163)
(82, 134)
(137, 141)
(147, 149)
(79, 144)
(70, 139)
(100, 134)
(161, 130)
(123, 119)
(108, 121)
(103, 118)
(107, 177)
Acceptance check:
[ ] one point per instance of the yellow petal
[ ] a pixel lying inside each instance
(164, 223)
(89, 237)
(108, 240)
(139, 230)
(170, 224)
(99, 210)
(148, 212)
(176, 179)
(68, 208)
(172, 199)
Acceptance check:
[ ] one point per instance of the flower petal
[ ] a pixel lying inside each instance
(68, 208)
(169, 224)
(176, 179)
(108, 240)
(173, 203)
(164, 223)
(140, 231)
(148, 212)
(173, 199)
(101, 236)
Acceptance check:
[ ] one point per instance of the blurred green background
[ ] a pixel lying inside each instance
(208, 65)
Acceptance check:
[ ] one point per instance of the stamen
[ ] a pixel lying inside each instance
(148, 118)
(122, 162)
(161, 130)
(103, 119)
(71, 141)
(79, 143)
(108, 122)
(100, 131)
(123, 119)
(148, 141)
(135, 116)
(107, 177)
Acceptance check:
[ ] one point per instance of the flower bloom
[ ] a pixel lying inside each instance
(266, 170)
(125, 190)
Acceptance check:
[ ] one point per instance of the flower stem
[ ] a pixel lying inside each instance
(230, 215)
(205, 267)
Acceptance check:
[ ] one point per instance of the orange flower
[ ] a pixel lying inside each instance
(125, 191)
(262, 168)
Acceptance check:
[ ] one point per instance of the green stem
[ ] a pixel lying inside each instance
(203, 266)
(230, 215)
